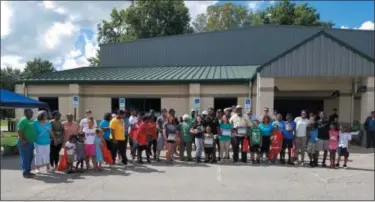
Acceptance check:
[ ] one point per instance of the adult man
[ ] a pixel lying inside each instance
(27, 136)
(84, 121)
(117, 126)
(240, 126)
(161, 120)
(214, 124)
(370, 130)
(323, 137)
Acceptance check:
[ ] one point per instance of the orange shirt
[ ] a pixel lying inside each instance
(143, 134)
(276, 141)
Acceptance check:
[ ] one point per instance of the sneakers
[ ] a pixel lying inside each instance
(29, 175)
(345, 166)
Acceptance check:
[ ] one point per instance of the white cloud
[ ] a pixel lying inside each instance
(368, 25)
(13, 61)
(6, 14)
(50, 30)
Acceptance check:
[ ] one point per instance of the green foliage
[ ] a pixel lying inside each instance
(288, 13)
(36, 67)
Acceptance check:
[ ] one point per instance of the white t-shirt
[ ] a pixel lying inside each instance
(301, 126)
(132, 120)
(84, 123)
(72, 148)
(89, 135)
(345, 138)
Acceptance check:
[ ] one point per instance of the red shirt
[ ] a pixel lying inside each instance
(152, 130)
(142, 134)
(276, 141)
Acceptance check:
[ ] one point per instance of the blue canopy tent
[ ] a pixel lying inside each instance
(13, 100)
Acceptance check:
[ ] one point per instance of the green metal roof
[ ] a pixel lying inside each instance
(149, 74)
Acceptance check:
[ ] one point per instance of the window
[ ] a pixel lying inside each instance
(139, 104)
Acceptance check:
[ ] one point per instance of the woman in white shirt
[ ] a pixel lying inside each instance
(301, 135)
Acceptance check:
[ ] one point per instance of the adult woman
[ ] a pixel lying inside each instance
(266, 129)
(57, 139)
(301, 132)
(42, 143)
(70, 127)
(104, 125)
(170, 133)
(197, 130)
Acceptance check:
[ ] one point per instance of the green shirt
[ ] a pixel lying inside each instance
(225, 126)
(185, 132)
(27, 127)
(255, 136)
(356, 128)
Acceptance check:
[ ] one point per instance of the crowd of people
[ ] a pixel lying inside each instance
(211, 134)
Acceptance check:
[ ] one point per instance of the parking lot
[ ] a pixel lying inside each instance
(183, 181)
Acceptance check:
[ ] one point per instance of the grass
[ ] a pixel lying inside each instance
(4, 123)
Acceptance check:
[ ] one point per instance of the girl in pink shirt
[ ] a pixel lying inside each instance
(333, 143)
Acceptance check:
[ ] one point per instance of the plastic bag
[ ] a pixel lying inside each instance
(63, 163)
(245, 145)
(107, 157)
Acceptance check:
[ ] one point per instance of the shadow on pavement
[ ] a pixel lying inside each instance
(10, 163)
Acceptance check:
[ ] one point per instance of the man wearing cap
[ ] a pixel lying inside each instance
(240, 126)
(84, 121)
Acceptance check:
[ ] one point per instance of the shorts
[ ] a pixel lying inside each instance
(255, 148)
(343, 152)
(311, 148)
(89, 149)
(265, 144)
(70, 158)
(287, 144)
(322, 145)
(42, 153)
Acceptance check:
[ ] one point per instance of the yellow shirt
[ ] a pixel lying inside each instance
(118, 125)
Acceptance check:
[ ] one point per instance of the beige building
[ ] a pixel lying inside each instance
(310, 68)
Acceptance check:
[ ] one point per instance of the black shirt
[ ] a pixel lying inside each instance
(333, 117)
(153, 118)
(323, 129)
(200, 128)
(213, 122)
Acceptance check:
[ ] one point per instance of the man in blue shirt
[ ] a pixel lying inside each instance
(288, 129)
(370, 130)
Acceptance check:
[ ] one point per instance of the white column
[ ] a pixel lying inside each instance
(265, 93)
(344, 110)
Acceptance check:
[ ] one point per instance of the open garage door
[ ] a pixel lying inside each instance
(295, 106)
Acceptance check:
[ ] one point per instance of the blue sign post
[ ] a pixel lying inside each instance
(75, 101)
(247, 106)
(196, 104)
(122, 103)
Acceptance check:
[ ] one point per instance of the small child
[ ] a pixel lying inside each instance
(311, 145)
(98, 149)
(142, 139)
(80, 151)
(255, 140)
(225, 137)
(276, 143)
(70, 147)
(344, 137)
(208, 141)
(333, 143)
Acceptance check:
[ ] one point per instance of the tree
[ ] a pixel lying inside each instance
(94, 61)
(144, 19)
(8, 78)
(288, 13)
(226, 16)
(36, 67)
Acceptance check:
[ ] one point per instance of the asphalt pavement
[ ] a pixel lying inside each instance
(190, 181)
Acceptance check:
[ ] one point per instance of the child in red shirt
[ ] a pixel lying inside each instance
(142, 139)
(276, 143)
